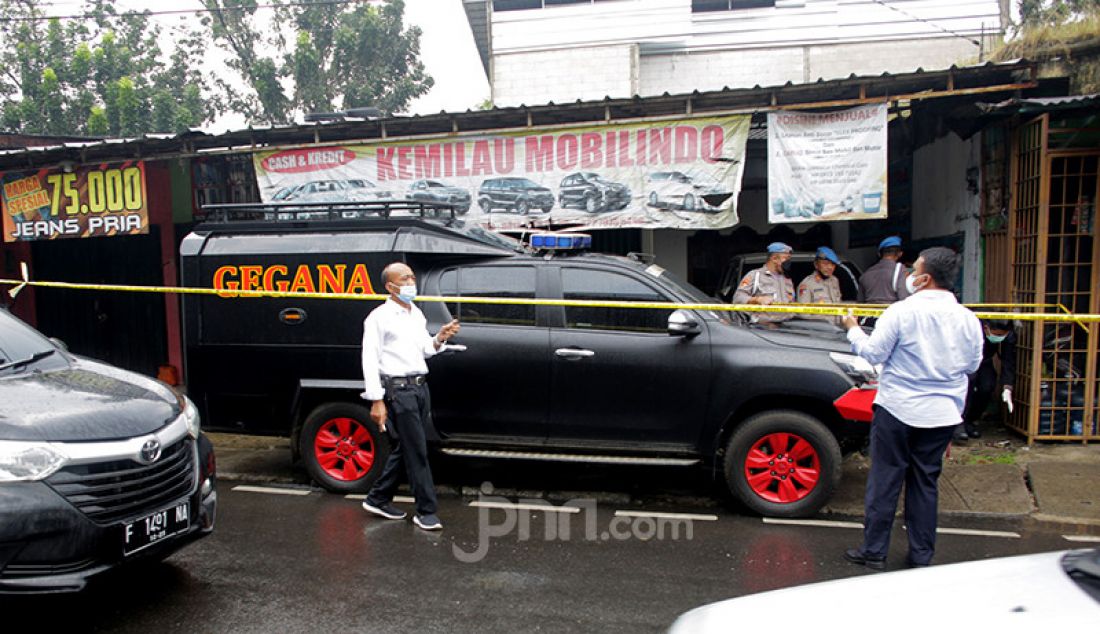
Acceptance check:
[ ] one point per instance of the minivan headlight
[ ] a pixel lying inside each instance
(190, 415)
(27, 461)
(855, 366)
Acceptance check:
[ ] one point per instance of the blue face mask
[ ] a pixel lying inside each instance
(995, 338)
(407, 293)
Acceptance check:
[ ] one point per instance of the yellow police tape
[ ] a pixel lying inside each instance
(861, 310)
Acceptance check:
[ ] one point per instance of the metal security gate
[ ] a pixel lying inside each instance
(1054, 268)
(124, 329)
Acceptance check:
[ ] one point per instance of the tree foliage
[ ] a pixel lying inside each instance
(104, 75)
(317, 57)
(1038, 13)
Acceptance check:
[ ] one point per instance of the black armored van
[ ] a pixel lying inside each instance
(766, 410)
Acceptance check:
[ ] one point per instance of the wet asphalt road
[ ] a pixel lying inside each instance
(317, 562)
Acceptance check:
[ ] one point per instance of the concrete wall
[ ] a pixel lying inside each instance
(619, 48)
(623, 70)
(942, 205)
(714, 70)
(565, 75)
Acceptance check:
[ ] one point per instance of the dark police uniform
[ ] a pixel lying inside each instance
(883, 283)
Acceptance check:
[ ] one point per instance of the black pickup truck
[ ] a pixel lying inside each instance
(765, 410)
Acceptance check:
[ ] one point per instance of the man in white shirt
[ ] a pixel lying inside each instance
(395, 344)
(927, 345)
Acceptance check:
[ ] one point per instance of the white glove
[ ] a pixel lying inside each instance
(1006, 396)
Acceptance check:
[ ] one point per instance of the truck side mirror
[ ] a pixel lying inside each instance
(681, 323)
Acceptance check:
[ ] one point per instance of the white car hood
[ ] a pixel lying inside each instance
(1030, 591)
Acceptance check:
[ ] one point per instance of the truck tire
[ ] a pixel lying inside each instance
(342, 448)
(782, 463)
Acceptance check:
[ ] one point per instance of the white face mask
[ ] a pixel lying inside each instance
(910, 286)
(407, 293)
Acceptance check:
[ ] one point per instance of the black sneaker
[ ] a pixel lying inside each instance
(387, 510)
(855, 556)
(428, 522)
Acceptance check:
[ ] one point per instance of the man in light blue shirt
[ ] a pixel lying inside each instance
(927, 345)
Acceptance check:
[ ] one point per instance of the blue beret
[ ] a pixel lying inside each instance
(779, 247)
(892, 241)
(825, 253)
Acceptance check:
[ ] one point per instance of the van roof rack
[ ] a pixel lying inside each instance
(322, 211)
(404, 217)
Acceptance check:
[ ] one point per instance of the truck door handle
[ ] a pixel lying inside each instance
(452, 347)
(574, 353)
(292, 316)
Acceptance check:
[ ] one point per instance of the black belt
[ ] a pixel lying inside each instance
(404, 381)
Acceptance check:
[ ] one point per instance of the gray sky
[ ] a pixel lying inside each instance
(446, 48)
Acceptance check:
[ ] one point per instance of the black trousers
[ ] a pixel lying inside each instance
(982, 386)
(407, 411)
(913, 456)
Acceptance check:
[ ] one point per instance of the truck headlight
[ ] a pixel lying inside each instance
(855, 367)
(190, 415)
(25, 461)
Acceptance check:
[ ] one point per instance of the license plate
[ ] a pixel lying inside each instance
(155, 527)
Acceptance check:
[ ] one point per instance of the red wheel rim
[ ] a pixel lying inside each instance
(344, 449)
(782, 468)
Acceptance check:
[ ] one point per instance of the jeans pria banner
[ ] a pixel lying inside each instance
(681, 174)
(827, 166)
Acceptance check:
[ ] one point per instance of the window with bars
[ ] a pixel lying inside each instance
(522, 5)
(704, 6)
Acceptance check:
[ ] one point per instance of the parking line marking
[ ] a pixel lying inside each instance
(276, 490)
(549, 508)
(1082, 538)
(977, 533)
(403, 499)
(671, 516)
(822, 523)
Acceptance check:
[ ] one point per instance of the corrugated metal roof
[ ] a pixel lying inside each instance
(477, 15)
(756, 99)
(1041, 104)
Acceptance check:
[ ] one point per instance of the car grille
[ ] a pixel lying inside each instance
(110, 491)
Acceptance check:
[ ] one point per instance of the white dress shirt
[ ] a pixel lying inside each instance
(395, 343)
(927, 344)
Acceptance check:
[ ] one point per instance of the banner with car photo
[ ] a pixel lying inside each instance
(827, 166)
(680, 174)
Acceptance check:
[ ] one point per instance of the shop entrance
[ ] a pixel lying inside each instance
(121, 328)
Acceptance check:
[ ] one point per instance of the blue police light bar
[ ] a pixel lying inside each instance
(561, 241)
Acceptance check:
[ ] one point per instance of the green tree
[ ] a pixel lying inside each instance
(325, 56)
(1037, 13)
(104, 75)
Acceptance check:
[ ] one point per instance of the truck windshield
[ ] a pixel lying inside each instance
(490, 237)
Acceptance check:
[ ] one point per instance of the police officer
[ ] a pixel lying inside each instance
(768, 284)
(821, 287)
(395, 344)
(884, 281)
